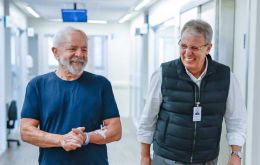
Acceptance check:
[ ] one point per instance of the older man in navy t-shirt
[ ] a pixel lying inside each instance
(75, 110)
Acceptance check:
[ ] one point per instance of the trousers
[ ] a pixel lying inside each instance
(158, 160)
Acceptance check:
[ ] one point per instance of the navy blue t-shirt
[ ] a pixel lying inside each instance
(62, 105)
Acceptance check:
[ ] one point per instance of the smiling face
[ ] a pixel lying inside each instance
(193, 51)
(72, 53)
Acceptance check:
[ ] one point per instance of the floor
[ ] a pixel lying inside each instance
(124, 152)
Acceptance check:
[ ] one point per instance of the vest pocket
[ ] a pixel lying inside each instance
(165, 128)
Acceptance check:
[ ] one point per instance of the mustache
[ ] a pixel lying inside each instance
(77, 59)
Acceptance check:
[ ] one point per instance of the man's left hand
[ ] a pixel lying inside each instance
(234, 160)
(80, 132)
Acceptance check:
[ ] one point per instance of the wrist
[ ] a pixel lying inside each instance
(87, 140)
(146, 157)
(237, 153)
(60, 141)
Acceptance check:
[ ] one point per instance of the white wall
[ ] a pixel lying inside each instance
(135, 65)
(241, 46)
(246, 67)
(2, 84)
(165, 10)
(253, 143)
(18, 18)
(1, 8)
(118, 53)
(240, 52)
(19, 21)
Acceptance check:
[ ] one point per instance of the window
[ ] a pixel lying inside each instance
(52, 62)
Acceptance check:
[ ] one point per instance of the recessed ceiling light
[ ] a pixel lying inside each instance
(32, 12)
(97, 21)
(126, 17)
(141, 5)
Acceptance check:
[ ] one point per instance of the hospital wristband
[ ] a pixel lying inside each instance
(87, 138)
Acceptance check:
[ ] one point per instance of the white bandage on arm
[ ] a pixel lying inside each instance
(102, 132)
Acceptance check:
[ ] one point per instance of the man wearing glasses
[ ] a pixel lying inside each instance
(186, 103)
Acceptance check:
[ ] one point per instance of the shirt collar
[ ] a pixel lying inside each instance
(193, 78)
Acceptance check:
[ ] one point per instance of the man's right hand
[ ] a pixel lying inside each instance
(146, 161)
(73, 140)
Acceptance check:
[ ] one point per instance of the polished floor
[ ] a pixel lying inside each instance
(124, 152)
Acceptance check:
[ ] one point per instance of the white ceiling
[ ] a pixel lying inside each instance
(109, 10)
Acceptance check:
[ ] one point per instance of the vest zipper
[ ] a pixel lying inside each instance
(194, 141)
(197, 102)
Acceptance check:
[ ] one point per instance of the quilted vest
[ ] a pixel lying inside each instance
(177, 136)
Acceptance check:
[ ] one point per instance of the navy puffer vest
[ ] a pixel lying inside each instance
(177, 136)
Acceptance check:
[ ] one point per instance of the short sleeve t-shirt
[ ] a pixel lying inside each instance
(61, 105)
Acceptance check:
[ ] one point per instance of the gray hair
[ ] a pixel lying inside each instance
(200, 27)
(63, 34)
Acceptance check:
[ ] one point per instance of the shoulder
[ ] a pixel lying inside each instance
(170, 63)
(156, 75)
(41, 78)
(217, 65)
(172, 67)
(221, 66)
(223, 69)
(96, 79)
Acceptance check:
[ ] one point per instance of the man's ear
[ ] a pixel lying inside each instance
(209, 47)
(55, 53)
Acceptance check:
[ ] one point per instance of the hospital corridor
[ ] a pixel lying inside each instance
(151, 81)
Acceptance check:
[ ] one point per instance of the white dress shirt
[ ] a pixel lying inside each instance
(235, 115)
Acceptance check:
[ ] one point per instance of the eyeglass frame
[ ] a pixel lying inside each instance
(192, 48)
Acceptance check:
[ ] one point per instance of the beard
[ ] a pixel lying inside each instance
(75, 65)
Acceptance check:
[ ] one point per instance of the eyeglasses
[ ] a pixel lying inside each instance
(192, 48)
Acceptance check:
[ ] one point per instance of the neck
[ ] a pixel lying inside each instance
(66, 75)
(198, 72)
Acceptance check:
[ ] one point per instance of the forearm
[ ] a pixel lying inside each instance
(145, 150)
(145, 154)
(40, 138)
(113, 133)
(235, 148)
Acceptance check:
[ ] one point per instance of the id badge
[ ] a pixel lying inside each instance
(197, 113)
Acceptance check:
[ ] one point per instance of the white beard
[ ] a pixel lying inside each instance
(75, 70)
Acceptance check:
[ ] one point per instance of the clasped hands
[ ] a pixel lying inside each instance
(74, 139)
